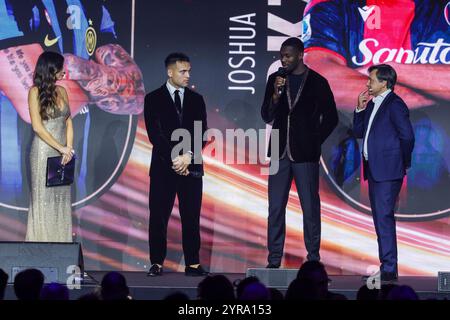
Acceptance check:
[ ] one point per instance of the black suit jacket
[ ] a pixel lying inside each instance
(161, 120)
(310, 121)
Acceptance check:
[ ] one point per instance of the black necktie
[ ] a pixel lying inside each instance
(178, 101)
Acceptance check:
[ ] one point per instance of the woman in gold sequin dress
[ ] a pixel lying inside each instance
(50, 212)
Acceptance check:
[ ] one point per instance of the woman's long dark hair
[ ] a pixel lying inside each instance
(48, 65)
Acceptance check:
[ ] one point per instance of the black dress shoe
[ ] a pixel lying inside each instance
(155, 270)
(272, 266)
(195, 272)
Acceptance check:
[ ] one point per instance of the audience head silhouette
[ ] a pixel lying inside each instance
(255, 291)
(367, 294)
(114, 287)
(402, 293)
(3, 283)
(216, 287)
(313, 280)
(54, 291)
(241, 284)
(275, 294)
(28, 284)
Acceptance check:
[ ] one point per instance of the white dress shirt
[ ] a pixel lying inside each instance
(378, 100)
(172, 89)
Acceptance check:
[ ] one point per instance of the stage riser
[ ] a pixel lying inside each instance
(54, 260)
(277, 278)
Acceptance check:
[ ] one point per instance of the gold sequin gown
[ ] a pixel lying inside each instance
(50, 212)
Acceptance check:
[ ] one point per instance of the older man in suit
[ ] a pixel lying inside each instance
(172, 107)
(388, 141)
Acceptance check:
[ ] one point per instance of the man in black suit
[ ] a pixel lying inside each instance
(175, 107)
(299, 104)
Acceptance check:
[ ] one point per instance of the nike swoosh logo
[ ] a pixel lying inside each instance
(366, 11)
(49, 43)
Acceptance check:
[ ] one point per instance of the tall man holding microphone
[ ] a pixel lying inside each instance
(299, 103)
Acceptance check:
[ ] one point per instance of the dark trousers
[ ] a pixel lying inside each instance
(163, 188)
(306, 176)
(383, 196)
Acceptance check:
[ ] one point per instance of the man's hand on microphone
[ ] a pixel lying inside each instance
(277, 85)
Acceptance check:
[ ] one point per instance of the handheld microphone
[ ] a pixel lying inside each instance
(282, 72)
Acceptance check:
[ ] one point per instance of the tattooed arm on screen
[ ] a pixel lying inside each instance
(113, 81)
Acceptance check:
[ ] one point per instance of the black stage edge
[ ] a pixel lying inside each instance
(156, 288)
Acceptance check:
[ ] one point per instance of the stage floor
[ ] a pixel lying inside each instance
(156, 288)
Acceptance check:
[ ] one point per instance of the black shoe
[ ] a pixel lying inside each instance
(195, 272)
(272, 266)
(155, 270)
(389, 276)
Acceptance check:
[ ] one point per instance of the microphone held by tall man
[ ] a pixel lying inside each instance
(282, 72)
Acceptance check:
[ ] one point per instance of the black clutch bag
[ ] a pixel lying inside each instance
(57, 174)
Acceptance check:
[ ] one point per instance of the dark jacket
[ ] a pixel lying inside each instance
(161, 120)
(391, 138)
(310, 121)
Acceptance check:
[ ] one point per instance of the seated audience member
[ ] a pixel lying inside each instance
(240, 285)
(255, 291)
(367, 294)
(54, 291)
(3, 283)
(213, 288)
(114, 287)
(28, 284)
(402, 293)
(275, 294)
